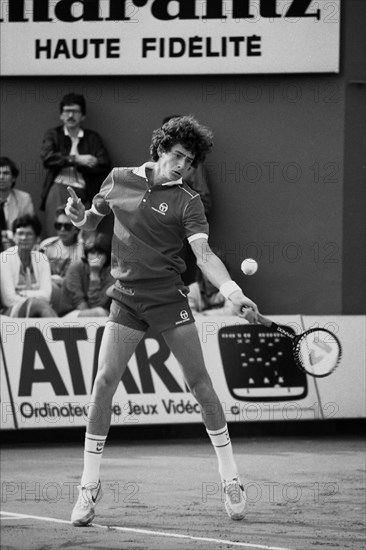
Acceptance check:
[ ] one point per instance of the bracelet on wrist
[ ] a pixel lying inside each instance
(228, 288)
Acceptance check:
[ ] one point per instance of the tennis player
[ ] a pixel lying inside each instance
(154, 211)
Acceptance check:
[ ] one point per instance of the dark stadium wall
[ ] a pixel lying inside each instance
(354, 196)
(277, 171)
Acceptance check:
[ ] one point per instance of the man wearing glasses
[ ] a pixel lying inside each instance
(74, 156)
(62, 249)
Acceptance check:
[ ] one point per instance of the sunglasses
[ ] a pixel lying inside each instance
(67, 226)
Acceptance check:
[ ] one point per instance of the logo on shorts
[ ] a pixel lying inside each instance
(184, 315)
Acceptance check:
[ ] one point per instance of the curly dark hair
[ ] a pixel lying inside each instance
(187, 131)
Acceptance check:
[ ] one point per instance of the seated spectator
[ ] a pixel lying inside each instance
(13, 202)
(25, 284)
(62, 249)
(88, 280)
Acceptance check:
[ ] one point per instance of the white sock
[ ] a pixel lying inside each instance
(93, 450)
(220, 439)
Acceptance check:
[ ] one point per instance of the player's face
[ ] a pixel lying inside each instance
(72, 116)
(175, 163)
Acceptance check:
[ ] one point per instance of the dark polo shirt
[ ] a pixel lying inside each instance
(150, 224)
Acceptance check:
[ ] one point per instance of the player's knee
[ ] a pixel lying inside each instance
(202, 389)
(106, 379)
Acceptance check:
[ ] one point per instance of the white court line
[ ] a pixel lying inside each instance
(149, 532)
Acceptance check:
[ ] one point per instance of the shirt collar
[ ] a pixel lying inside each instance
(10, 197)
(79, 136)
(141, 171)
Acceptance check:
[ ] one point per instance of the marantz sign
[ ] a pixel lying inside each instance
(74, 37)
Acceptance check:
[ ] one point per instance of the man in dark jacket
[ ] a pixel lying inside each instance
(73, 156)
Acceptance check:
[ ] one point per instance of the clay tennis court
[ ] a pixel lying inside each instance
(303, 493)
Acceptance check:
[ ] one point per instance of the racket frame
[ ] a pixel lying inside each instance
(296, 340)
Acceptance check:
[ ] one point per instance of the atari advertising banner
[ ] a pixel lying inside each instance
(151, 37)
(48, 366)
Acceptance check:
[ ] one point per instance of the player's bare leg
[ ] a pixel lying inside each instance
(117, 347)
(185, 344)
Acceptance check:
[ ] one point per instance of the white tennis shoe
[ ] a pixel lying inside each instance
(235, 498)
(84, 509)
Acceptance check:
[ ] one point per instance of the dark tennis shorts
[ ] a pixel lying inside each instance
(160, 305)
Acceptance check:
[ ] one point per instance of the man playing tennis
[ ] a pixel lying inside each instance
(154, 211)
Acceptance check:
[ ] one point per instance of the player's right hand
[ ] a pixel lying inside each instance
(74, 207)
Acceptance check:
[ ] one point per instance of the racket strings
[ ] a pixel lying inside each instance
(318, 352)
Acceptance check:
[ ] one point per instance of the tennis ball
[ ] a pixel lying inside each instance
(249, 266)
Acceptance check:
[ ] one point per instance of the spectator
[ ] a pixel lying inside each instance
(88, 280)
(197, 180)
(73, 156)
(62, 249)
(26, 283)
(13, 202)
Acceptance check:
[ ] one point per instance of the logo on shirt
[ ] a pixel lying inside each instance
(163, 208)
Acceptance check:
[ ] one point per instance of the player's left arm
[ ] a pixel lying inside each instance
(215, 271)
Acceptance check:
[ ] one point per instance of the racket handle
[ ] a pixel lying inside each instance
(265, 321)
(274, 326)
(271, 324)
(261, 319)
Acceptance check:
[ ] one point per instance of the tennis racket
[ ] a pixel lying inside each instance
(316, 351)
